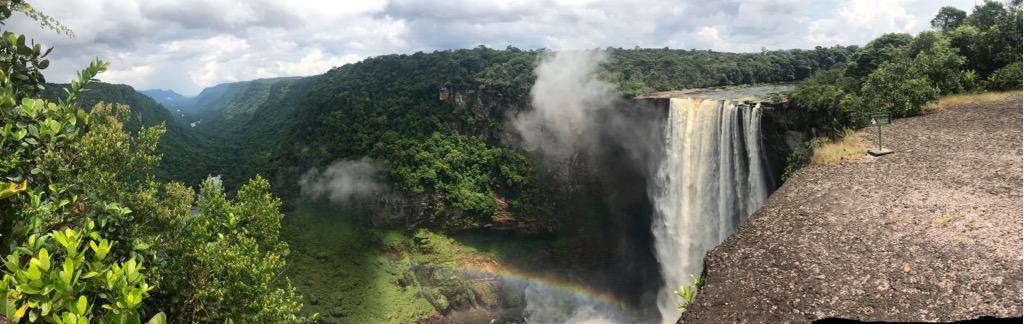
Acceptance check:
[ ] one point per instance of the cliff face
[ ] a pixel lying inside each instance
(785, 131)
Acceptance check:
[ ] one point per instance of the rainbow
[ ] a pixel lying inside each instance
(547, 282)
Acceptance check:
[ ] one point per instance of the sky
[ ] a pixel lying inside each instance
(187, 45)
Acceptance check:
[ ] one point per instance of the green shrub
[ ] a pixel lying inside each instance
(970, 81)
(688, 291)
(1006, 78)
(935, 59)
(79, 178)
(77, 283)
(225, 261)
(898, 87)
(796, 161)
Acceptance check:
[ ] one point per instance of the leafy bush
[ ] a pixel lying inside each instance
(970, 81)
(897, 87)
(880, 50)
(688, 291)
(796, 161)
(227, 260)
(935, 59)
(86, 181)
(75, 284)
(36, 138)
(1007, 78)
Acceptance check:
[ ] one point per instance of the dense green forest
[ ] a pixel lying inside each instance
(101, 218)
(240, 122)
(641, 71)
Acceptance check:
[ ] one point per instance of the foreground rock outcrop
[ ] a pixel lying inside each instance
(929, 233)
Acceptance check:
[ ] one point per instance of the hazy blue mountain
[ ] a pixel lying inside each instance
(171, 100)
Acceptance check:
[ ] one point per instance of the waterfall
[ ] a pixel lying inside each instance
(711, 179)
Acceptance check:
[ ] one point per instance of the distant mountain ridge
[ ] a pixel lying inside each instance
(236, 99)
(170, 99)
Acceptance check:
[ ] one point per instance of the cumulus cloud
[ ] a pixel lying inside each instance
(187, 45)
(343, 181)
(316, 62)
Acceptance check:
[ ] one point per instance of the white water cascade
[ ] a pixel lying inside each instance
(711, 179)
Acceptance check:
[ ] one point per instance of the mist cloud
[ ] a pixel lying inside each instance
(567, 98)
(343, 181)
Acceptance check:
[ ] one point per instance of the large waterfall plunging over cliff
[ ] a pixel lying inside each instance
(711, 179)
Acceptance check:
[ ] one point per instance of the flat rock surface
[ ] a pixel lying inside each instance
(931, 232)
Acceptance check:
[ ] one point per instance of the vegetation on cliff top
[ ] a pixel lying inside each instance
(901, 73)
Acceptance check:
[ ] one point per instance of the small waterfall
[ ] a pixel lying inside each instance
(711, 179)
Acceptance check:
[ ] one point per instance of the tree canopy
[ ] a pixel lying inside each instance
(948, 18)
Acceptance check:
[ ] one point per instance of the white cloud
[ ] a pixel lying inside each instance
(882, 15)
(128, 75)
(710, 35)
(315, 63)
(186, 45)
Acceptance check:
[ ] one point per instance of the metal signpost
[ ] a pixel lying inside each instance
(879, 119)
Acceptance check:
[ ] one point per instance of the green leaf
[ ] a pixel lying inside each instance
(9, 189)
(33, 273)
(44, 259)
(159, 318)
(141, 246)
(122, 318)
(82, 305)
(44, 307)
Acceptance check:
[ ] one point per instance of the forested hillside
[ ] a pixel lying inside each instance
(184, 152)
(243, 121)
(238, 99)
